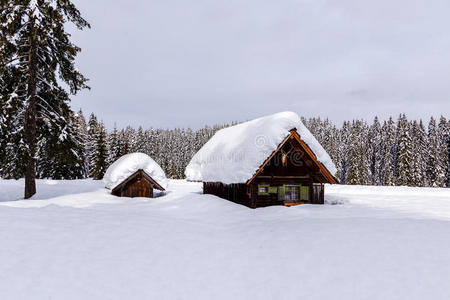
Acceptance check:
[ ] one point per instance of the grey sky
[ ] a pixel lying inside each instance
(172, 63)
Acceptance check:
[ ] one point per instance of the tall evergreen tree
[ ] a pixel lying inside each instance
(2, 120)
(359, 168)
(435, 172)
(123, 143)
(448, 151)
(60, 148)
(80, 127)
(344, 152)
(34, 41)
(405, 167)
(115, 146)
(92, 128)
(374, 141)
(99, 154)
(420, 148)
(138, 141)
(388, 149)
(12, 137)
(444, 155)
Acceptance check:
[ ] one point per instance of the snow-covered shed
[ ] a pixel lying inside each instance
(135, 175)
(273, 160)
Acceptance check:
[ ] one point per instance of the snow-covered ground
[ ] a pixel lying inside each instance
(75, 241)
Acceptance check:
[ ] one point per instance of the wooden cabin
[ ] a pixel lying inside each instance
(139, 184)
(289, 174)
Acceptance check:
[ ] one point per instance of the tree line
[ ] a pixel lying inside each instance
(401, 152)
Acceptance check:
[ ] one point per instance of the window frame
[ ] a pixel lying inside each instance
(267, 186)
(299, 186)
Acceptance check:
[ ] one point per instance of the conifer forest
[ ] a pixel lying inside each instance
(390, 152)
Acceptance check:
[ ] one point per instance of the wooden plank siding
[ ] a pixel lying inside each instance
(139, 184)
(141, 188)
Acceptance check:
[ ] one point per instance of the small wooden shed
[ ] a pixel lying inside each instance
(135, 175)
(139, 184)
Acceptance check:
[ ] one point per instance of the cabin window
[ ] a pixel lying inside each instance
(304, 193)
(263, 189)
(292, 193)
(273, 190)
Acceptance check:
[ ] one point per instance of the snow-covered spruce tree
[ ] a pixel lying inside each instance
(344, 151)
(435, 172)
(419, 153)
(12, 144)
(359, 168)
(60, 147)
(388, 149)
(330, 139)
(374, 141)
(353, 153)
(14, 155)
(138, 141)
(405, 148)
(92, 128)
(2, 118)
(34, 41)
(80, 127)
(444, 155)
(78, 149)
(184, 152)
(448, 151)
(123, 143)
(99, 153)
(364, 163)
(115, 146)
(129, 137)
(335, 142)
(151, 140)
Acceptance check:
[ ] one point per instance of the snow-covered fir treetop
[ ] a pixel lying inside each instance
(235, 153)
(128, 164)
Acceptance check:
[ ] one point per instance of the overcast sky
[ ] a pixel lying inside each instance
(172, 63)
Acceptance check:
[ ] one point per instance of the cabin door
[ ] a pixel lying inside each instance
(318, 193)
(145, 189)
(141, 189)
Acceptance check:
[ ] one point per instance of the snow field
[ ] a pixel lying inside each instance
(75, 241)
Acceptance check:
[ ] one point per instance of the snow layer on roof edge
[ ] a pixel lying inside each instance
(128, 164)
(235, 153)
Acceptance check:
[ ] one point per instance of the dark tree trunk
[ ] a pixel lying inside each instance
(30, 119)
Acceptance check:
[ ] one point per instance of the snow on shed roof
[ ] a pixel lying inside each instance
(235, 153)
(128, 164)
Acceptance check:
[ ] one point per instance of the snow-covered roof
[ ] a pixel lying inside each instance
(235, 153)
(128, 164)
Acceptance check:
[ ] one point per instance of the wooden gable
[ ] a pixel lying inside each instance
(294, 146)
(139, 184)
